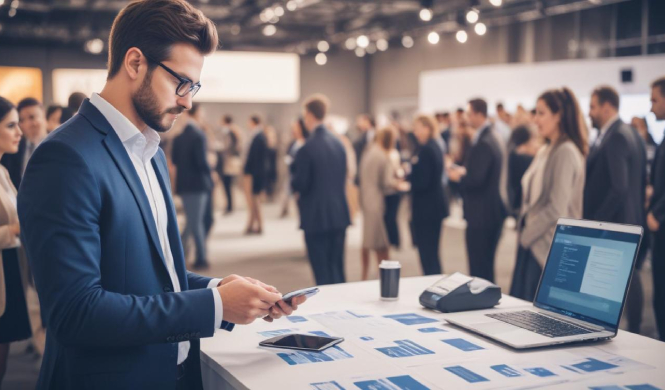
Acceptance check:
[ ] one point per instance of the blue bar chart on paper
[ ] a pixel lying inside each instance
(405, 348)
(306, 357)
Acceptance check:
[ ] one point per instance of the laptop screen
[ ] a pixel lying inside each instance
(587, 274)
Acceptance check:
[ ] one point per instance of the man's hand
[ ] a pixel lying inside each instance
(455, 173)
(15, 229)
(245, 301)
(653, 223)
(284, 309)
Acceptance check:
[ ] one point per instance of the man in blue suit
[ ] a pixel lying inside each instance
(100, 229)
(319, 177)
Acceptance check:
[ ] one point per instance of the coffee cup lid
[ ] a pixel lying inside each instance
(390, 264)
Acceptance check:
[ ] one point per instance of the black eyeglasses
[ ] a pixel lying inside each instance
(186, 85)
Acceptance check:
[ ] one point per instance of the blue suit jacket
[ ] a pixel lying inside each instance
(319, 177)
(106, 297)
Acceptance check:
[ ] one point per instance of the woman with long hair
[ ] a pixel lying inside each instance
(553, 185)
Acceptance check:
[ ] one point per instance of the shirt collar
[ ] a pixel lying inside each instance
(480, 132)
(609, 124)
(143, 144)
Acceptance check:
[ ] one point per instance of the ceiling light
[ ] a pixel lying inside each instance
(480, 28)
(94, 46)
(360, 52)
(292, 5)
(362, 41)
(12, 12)
(235, 29)
(350, 44)
(323, 46)
(472, 16)
(321, 59)
(371, 49)
(426, 14)
(269, 30)
(407, 41)
(267, 14)
(461, 36)
(382, 44)
(496, 3)
(279, 11)
(433, 38)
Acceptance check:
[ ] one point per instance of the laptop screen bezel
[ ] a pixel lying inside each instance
(629, 229)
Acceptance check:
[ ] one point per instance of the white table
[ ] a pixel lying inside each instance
(234, 360)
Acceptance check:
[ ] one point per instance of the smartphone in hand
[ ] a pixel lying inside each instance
(308, 292)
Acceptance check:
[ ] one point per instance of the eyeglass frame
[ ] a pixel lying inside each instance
(183, 80)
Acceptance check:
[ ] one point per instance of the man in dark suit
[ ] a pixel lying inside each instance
(616, 166)
(319, 178)
(100, 229)
(256, 170)
(479, 179)
(32, 121)
(193, 183)
(656, 215)
(616, 175)
(445, 128)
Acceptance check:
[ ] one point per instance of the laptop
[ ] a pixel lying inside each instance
(581, 293)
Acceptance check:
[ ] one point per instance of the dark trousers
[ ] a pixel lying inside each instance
(427, 236)
(209, 217)
(658, 267)
(390, 218)
(526, 275)
(228, 190)
(326, 255)
(481, 244)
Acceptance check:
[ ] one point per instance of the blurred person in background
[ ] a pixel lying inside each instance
(640, 124)
(366, 128)
(320, 178)
(271, 161)
(616, 179)
(256, 152)
(193, 183)
(73, 104)
(378, 179)
(14, 320)
(524, 146)
(429, 206)
(553, 185)
(445, 128)
(53, 114)
(32, 121)
(299, 134)
(501, 127)
(479, 182)
(229, 165)
(656, 211)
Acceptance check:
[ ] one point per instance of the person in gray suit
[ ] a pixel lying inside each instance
(552, 185)
(616, 179)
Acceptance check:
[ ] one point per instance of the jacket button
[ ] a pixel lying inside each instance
(168, 289)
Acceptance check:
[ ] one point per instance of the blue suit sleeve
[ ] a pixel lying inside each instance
(60, 207)
(301, 172)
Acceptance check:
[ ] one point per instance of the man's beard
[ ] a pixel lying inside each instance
(147, 108)
(595, 124)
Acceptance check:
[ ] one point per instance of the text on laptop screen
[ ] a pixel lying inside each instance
(587, 273)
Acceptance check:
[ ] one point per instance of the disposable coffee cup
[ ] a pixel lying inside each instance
(389, 271)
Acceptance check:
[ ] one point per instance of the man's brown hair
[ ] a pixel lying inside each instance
(606, 94)
(317, 105)
(479, 106)
(154, 26)
(660, 84)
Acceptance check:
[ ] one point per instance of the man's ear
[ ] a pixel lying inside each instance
(133, 63)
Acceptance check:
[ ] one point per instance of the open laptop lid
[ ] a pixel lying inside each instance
(588, 271)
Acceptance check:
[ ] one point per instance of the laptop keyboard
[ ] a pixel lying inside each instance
(538, 323)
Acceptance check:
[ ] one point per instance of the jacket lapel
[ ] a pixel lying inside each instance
(119, 154)
(172, 228)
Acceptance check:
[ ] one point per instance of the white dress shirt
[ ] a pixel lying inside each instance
(141, 148)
